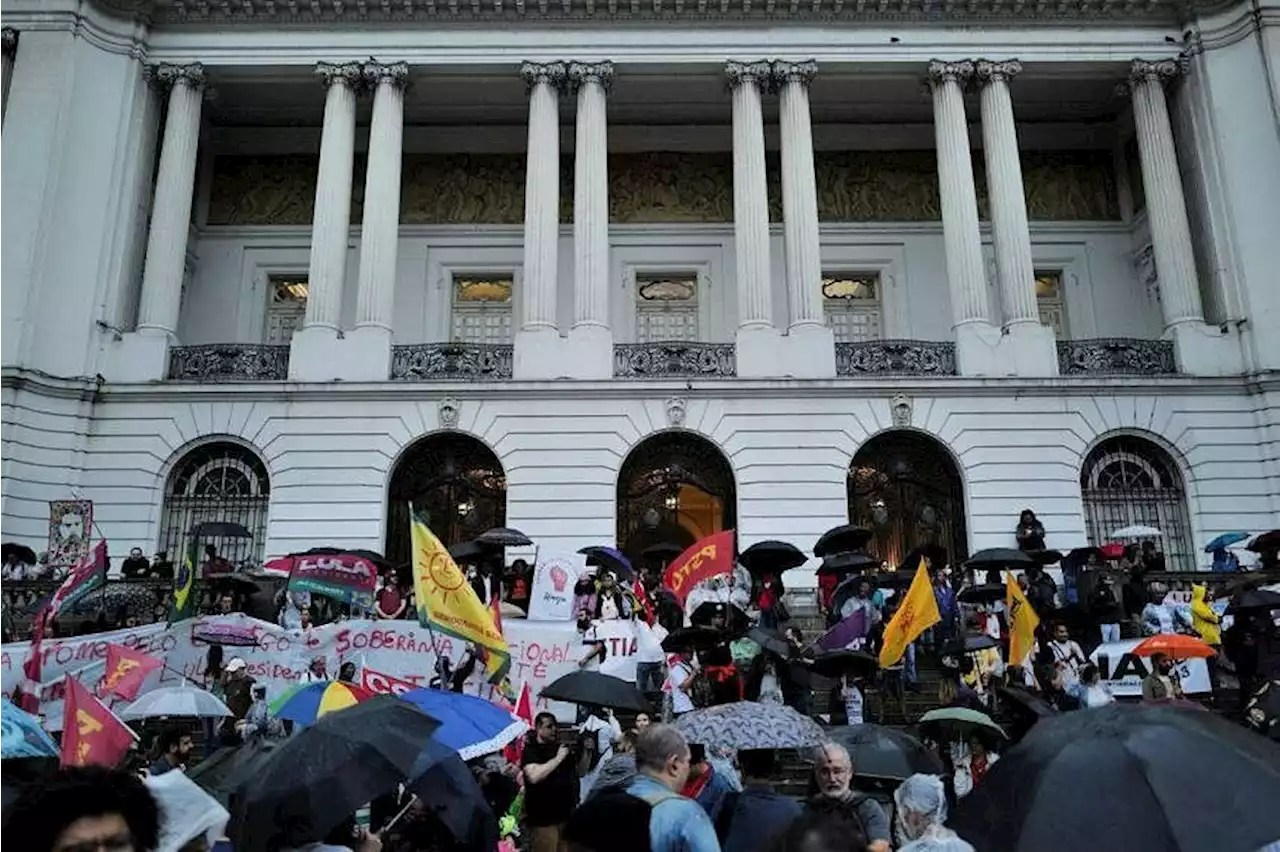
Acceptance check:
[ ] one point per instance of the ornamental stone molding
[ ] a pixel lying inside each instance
(581, 73)
(1154, 70)
(450, 410)
(350, 74)
(677, 408)
(375, 73)
(9, 40)
(165, 76)
(555, 74)
(760, 73)
(900, 410)
(989, 71)
(793, 72)
(950, 72)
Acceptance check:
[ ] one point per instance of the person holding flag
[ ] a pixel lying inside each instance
(917, 613)
(1023, 623)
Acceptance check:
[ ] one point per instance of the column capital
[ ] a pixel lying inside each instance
(376, 73)
(581, 73)
(10, 40)
(793, 72)
(740, 73)
(1154, 71)
(997, 71)
(554, 74)
(349, 74)
(165, 76)
(950, 72)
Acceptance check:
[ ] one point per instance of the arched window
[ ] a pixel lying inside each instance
(1127, 481)
(220, 482)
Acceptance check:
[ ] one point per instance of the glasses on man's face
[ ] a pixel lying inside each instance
(113, 843)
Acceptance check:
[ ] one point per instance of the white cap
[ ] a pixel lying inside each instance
(236, 665)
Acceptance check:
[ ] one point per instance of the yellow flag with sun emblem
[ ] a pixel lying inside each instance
(448, 604)
(918, 612)
(1023, 622)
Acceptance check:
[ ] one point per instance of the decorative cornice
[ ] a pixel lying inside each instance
(554, 74)
(375, 73)
(350, 74)
(165, 76)
(758, 73)
(989, 71)
(1158, 71)
(950, 72)
(9, 40)
(581, 73)
(793, 72)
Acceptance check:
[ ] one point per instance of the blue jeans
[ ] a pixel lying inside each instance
(1110, 632)
(909, 664)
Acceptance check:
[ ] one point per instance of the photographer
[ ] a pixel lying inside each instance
(551, 791)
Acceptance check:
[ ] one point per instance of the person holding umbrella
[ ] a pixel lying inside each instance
(1162, 684)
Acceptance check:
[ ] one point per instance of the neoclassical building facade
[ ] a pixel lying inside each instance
(638, 272)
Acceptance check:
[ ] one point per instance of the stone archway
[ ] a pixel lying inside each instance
(455, 482)
(674, 488)
(905, 488)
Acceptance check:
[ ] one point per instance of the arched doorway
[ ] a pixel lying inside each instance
(219, 481)
(674, 488)
(455, 482)
(904, 487)
(1127, 480)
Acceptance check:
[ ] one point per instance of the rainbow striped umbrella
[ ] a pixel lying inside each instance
(306, 703)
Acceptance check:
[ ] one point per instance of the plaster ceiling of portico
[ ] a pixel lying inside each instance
(241, 97)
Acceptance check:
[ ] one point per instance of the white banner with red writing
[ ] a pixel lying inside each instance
(278, 658)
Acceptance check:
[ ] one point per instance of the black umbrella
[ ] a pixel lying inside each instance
(900, 579)
(236, 581)
(969, 644)
(771, 641)
(771, 557)
(885, 753)
(1253, 599)
(836, 664)
(25, 555)
(936, 554)
(227, 768)
(1025, 700)
(1141, 779)
(848, 563)
(735, 621)
(504, 537)
(323, 774)
(662, 552)
(449, 791)
(1082, 554)
(986, 593)
(610, 559)
(468, 553)
(221, 529)
(688, 639)
(1265, 542)
(842, 538)
(999, 558)
(1045, 557)
(597, 690)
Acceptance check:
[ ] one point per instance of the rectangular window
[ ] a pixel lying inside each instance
(1053, 310)
(482, 308)
(851, 303)
(666, 307)
(287, 308)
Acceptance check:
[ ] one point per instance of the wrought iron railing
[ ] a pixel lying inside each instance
(229, 362)
(896, 358)
(674, 359)
(1116, 356)
(429, 362)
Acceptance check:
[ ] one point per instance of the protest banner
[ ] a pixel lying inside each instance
(553, 579)
(1122, 672)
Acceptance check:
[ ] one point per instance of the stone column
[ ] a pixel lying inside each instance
(380, 231)
(171, 209)
(1010, 231)
(591, 196)
(10, 45)
(542, 195)
(750, 194)
(799, 194)
(1166, 206)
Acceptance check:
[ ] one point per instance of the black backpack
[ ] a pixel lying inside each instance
(613, 820)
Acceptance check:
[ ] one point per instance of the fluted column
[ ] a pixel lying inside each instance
(9, 42)
(171, 208)
(542, 195)
(1010, 230)
(750, 194)
(380, 230)
(591, 195)
(957, 193)
(799, 194)
(1166, 206)
(331, 220)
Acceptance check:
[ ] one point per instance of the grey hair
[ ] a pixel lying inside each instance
(656, 745)
(820, 753)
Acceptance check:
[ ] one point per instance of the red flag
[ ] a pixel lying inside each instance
(91, 734)
(381, 683)
(524, 706)
(642, 597)
(126, 670)
(710, 557)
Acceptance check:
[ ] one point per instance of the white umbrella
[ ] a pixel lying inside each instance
(176, 701)
(1137, 531)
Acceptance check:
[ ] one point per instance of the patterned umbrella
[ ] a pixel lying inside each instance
(749, 725)
(304, 704)
(21, 734)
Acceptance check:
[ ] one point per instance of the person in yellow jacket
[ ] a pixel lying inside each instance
(1203, 619)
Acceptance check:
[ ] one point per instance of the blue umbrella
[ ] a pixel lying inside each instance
(469, 725)
(22, 735)
(1225, 540)
(608, 557)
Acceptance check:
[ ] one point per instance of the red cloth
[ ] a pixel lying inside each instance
(694, 786)
(827, 589)
(978, 769)
(126, 670)
(389, 601)
(768, 597)
(91, 734)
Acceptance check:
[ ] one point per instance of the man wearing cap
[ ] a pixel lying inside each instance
(237, 686)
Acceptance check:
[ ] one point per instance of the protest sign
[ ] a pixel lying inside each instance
(1122, 672)
(553, 579)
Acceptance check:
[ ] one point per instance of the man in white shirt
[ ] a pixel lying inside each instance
(1067, 655)
(681, 677)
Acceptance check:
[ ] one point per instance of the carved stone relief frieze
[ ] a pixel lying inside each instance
(671, 187)
(463, 189)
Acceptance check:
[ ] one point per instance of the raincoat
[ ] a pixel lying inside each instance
(924, 798)
(1203, 619)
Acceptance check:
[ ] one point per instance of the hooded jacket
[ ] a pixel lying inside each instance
(1203, 619)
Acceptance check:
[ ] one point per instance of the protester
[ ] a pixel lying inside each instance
(173, 747)
(1068, 656)
(920, 811)
(237, 687)
(971, 760)
(756, 813)
(853, 700)
(1106, 609)
(705, 785)
(611, 603)
(259, 722)
(84, 808)
(551, 790)
(1030, 532)
(642, 721)
(1053, 686)
(1204, 620)
(948, 610)
(1092, 692)
(1162, 684)
(833, 773)
(682, 678)
(136, 567)
(769, 599)
(619, 769)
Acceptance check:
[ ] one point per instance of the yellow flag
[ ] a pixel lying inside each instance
(447, 603)
(1023, 621)
(917, 613)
